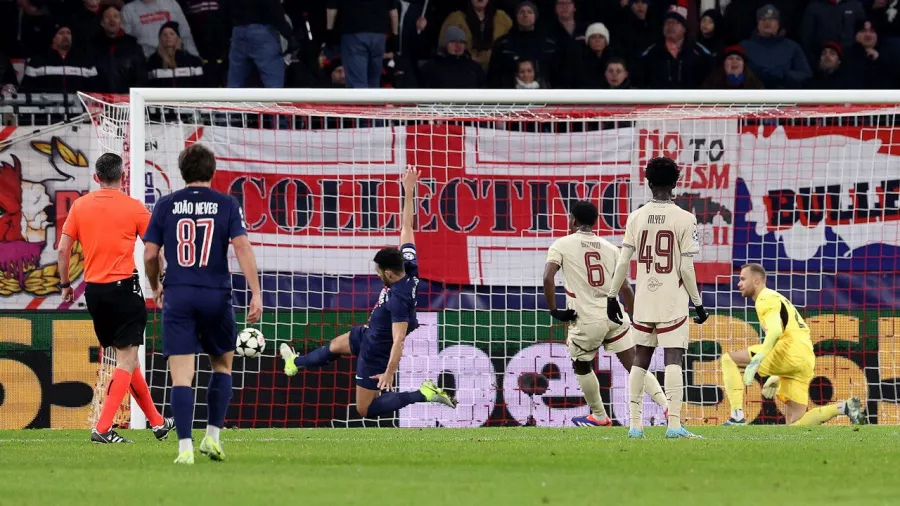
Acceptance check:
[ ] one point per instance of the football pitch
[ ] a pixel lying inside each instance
(461, 467)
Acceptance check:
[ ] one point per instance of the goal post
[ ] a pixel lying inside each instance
(798, 180)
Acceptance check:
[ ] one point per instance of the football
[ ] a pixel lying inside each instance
(250, 343)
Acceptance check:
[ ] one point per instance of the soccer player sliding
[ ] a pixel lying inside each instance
(585, 259)
(665, 237)
(786, 357)
(378, 346)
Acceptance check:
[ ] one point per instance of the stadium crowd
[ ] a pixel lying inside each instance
(110, 45)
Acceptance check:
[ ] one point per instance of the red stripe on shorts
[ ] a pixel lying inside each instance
(638, 326)
(620, 336)
(673, 327)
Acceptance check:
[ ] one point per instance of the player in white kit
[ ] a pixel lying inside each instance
(665, 237)
(587, 262)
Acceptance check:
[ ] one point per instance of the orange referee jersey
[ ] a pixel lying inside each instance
(107, 222)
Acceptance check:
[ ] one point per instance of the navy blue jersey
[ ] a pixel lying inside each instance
(397, 303)
(194, 227)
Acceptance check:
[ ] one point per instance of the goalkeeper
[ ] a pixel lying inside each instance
(786, 357)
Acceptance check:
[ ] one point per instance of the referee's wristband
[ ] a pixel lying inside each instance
(65, 285)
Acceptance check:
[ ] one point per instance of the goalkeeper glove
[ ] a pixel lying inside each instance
(771, 387)
(752, 367)
(702, 315)
(613, 311)
(564, 315)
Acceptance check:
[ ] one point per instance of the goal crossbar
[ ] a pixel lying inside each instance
(478, 96)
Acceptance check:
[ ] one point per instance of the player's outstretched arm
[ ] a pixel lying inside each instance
(407, 222)
(563, 315)
(247, 260)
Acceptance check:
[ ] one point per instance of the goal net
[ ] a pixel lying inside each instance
(811, 191)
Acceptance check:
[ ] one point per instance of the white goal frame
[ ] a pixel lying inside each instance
(140, 98)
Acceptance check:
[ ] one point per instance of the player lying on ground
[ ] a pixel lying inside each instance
(786, 357)
(379, 345)
(666, 240)
(107, 222)
(195, 224)
(585, 259)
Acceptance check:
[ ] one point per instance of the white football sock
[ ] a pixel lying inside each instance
(213, 432)
(651, 386)
(737, 414)
(675, 394)
(185, 445)
(590, 387)
(636, 379)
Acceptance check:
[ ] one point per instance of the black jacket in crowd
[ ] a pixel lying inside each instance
(50, 72)
(448, 71)
(517, 45)
(876, 73)
(658, 69)
(120, 63)
(187, 74)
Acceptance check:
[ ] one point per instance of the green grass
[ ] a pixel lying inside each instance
(520, 466)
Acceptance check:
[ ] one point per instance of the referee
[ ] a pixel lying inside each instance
(107, 222)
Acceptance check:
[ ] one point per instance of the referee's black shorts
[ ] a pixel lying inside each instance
(119, 312)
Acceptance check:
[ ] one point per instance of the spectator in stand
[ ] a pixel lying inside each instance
(733, 73)
(637, 31)
(591, 69)
(885, 15)
(616, 74)
(567, 30)
(144, 19)
(211, 27)
(676, 62)
(363, 25)
(452, 67)
(740, 17)
(85, 18)
(712, 30)
(120, 59)
(171, 66)
(8, 81)
(524, 41)
(255, 42)
(62, 68)
(830, 21)
(526, 76)
(778, 61)
(334, 72)
(396, 72)
(877, 68)
(36, 25)
(831, 73)
(483, 24)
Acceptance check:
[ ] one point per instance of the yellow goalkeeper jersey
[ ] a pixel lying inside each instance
(772, 308)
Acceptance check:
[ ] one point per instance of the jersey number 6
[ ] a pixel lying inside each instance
(187, 236)
(594, 267)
